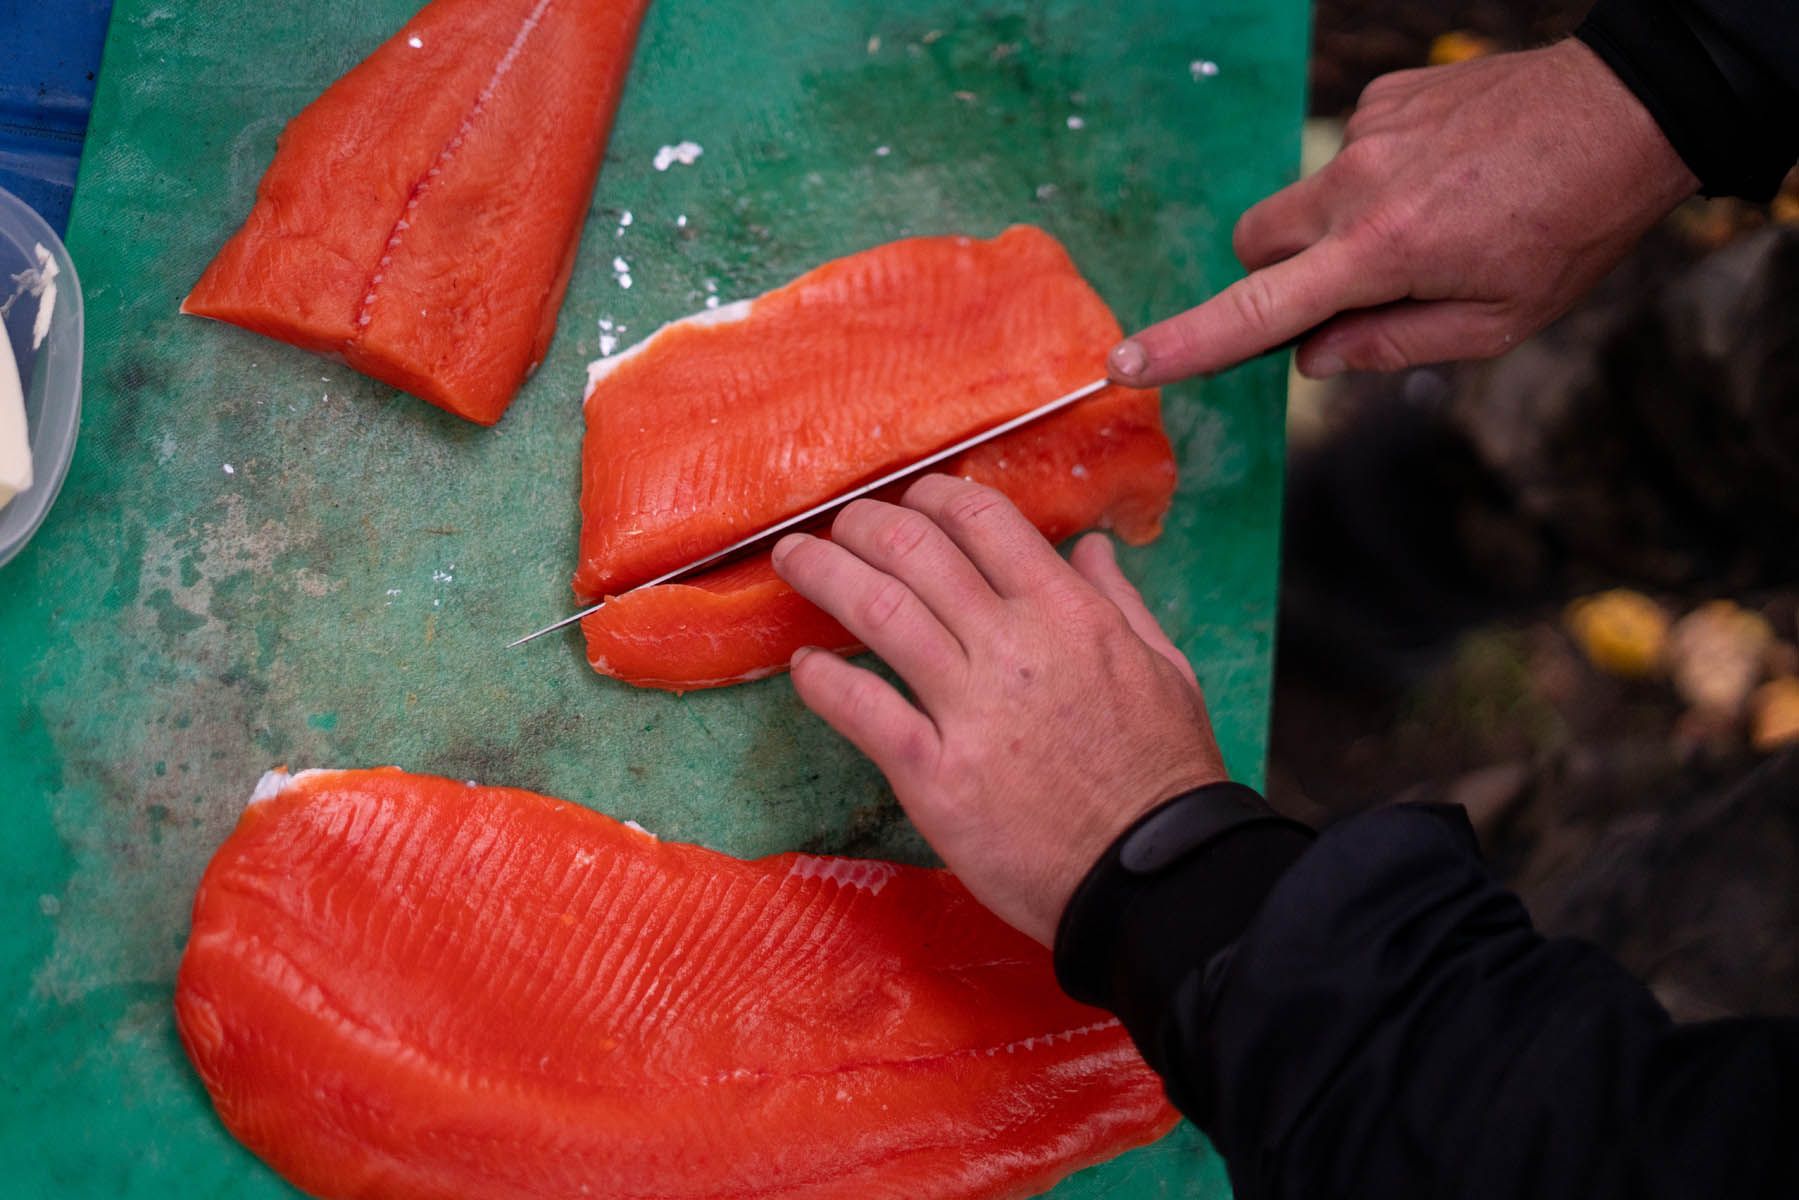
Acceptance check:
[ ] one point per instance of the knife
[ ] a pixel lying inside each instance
(856, 493)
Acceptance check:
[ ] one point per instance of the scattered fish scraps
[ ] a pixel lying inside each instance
(39, 282)
(43, 286)
(684, 153)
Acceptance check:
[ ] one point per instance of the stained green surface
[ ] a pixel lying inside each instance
(262, 558)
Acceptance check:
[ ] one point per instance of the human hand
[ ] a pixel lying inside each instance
(1469, 207)
(1048, 709)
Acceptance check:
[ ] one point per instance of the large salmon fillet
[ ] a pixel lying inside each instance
(399, 986)
(728, 421)
(420, 218)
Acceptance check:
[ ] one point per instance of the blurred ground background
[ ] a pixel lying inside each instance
(1563, 588)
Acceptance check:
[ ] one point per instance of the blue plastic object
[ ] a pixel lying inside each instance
(47, 69)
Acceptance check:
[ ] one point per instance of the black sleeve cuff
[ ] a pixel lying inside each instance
(1177, 888)
(1734, 121)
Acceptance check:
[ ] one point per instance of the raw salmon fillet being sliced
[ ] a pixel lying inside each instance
(1104, 462)
(401, 986)
(420, 218)
(727, 422)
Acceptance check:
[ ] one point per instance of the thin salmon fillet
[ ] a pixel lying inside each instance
(420, 218)
(1106, 462)
(400, 986)
(726, 422)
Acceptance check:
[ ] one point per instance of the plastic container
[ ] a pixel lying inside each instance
(50, 374)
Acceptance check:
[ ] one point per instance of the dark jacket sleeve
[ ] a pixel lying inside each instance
(1721, 77)
(1389, 1024)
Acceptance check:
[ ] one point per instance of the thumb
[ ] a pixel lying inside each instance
(1405, 335)
(1097, 563)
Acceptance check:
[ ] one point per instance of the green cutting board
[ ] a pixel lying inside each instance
(262, 558)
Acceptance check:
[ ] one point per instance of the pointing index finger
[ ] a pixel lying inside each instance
(1261, 311)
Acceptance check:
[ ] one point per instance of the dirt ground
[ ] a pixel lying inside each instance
(1617, 758)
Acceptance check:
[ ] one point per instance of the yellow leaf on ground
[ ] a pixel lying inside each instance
(1785, 208)
(1621, 632)
(1775, 715)
(1459, 46)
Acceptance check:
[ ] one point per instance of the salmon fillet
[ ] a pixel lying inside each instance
(1105, 462)
(400, 986)
(421, 217)
(724, 423)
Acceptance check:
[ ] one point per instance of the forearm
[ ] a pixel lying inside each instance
(1721, 77)
(1390, 1024)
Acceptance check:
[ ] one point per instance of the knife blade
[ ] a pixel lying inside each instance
(771, 532)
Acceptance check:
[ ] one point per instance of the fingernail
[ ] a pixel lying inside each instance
(801, 655)
(1098, 539)
(786, 546)
(1128, 359)
(1323, 366)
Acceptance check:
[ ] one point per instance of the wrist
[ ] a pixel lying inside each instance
(1097, 827)
(1662, 177)
(1724, 113)
(1177, 887)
